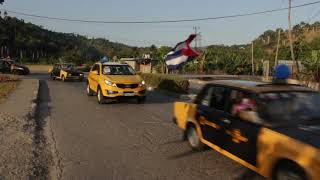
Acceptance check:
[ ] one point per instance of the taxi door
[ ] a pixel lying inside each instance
(210, 113)
(93, 78)
(241, 134)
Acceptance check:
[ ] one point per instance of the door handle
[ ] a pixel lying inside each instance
(227, 121)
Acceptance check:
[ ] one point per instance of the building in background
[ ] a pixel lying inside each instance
(146, 64)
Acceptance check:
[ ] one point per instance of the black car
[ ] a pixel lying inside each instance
(10, 66)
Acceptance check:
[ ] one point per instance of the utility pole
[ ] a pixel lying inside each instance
(291, 40)
(277, 51)
(196, 29)
(252, 59)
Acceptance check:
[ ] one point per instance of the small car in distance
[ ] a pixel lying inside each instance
(111, 80)
(11, 66)
(270, 128)
(65, 71)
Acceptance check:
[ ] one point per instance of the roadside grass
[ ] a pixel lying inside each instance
(7, 85)
(39, 67)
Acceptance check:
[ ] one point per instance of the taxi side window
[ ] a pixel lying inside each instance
(218, 98)
(214, 97)
(243, 105)
(96, 67)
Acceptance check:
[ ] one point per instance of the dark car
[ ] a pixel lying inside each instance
(11, 66)
(65, 71)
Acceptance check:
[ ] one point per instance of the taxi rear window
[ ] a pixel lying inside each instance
(290, 107)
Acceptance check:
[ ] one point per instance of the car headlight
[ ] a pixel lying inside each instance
(109, 83)
(142, 83)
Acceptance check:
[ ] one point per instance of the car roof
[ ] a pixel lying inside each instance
(64, 63)
(260, 87)
(113, 63)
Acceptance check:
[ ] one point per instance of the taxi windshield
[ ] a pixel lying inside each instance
(117, 70)
(290, 107)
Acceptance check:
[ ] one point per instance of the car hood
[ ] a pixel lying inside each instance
(308, 134)
(124, 78)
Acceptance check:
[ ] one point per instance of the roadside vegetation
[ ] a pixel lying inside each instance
(166, 82)
(7, 85)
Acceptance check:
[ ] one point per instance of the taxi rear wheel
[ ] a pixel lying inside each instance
(289, 171)
(100, 97)
(193, 139)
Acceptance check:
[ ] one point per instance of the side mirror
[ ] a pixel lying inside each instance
(94, 72)
(251, 116)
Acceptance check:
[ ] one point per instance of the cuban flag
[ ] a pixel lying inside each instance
(181, 53)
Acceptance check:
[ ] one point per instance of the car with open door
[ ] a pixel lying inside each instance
(65, 71)
(13, 67)
(270, 128)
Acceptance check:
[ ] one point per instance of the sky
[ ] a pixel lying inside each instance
(223, 31)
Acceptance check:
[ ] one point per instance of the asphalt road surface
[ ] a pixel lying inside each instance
(125, 140)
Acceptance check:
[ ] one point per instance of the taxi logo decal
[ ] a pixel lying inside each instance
(204, 121)
(236, 135)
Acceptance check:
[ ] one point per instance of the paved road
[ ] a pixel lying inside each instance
(125, 140)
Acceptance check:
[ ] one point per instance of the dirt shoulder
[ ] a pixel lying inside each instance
(7, 85)
(21, 142)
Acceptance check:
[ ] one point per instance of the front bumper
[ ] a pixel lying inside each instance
(74, 77)
(126, 92)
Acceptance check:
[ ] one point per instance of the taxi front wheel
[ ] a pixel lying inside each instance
(100, 97)
(193, 139)
(89, 91)
(141, 100)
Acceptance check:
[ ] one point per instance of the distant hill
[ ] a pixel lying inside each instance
(34, 44)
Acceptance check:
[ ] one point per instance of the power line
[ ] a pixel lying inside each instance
(161, 21)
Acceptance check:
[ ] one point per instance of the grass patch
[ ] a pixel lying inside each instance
(169, 83)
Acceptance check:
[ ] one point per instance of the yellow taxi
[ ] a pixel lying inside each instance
(65, 71)
(270, 128)
(111, 80)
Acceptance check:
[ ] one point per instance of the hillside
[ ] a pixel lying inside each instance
(34, 44)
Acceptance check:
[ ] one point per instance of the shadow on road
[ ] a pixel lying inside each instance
(42, 155)
(185, 154)
(248, 174)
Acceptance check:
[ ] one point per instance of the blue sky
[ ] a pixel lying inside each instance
(224, 31)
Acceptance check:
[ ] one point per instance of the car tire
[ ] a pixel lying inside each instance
(63, 78)
(89, 90)
(289, 171)
(15, 72)
(193, 139)
(80, 79)
(52, 77)
(141, 100)
(101, 99)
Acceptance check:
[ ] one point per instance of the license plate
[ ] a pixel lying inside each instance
(128, 94)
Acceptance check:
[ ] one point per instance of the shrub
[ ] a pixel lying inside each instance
(166, 82)
(8, 78)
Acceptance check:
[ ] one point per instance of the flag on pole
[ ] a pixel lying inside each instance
(181, 53)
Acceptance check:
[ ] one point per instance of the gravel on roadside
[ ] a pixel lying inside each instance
(16, 147)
